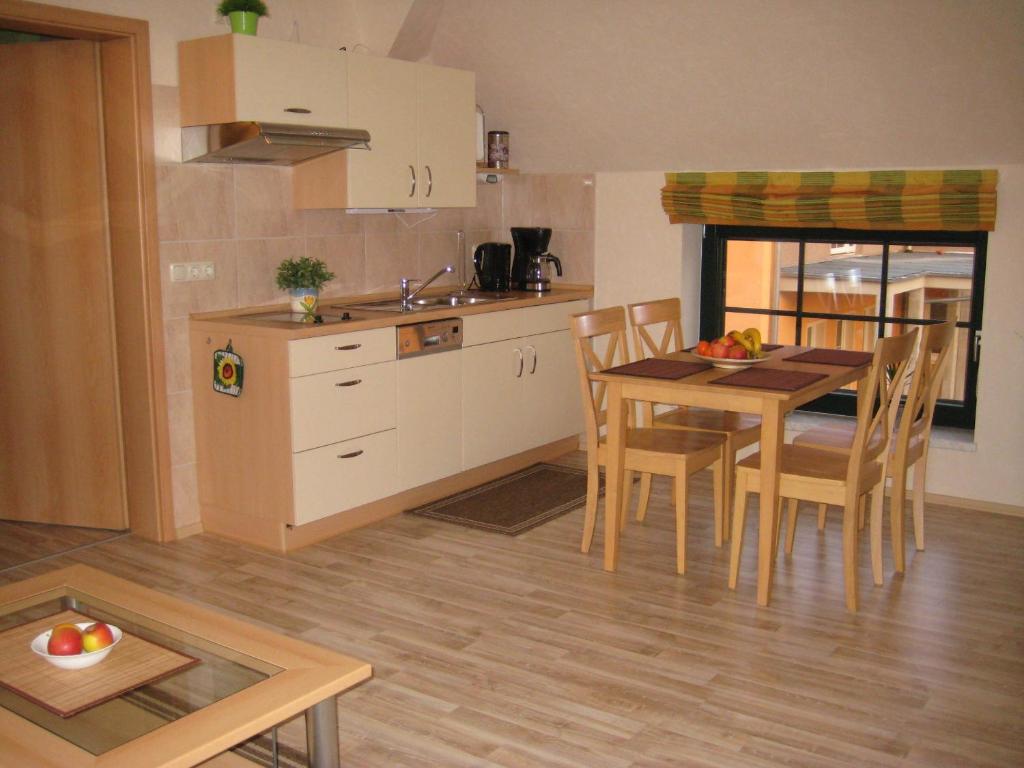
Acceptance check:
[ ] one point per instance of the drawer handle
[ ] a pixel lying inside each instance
(350, 455)
(299, 110)
(348, 383)
(348, 347)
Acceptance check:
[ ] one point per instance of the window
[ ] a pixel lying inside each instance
(846, 288)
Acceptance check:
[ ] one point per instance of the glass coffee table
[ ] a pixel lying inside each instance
(246, 680)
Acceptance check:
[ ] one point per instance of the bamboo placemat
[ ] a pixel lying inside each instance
(65, 692)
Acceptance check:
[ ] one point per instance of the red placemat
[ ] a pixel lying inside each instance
(833, 357)
(65, 692)
(771, 347)
(770, 378)
(658, 368)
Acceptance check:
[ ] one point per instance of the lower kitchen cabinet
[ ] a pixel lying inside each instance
(343, 475)
(521, 392)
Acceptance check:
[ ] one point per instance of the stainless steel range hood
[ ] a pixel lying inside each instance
(265, 143)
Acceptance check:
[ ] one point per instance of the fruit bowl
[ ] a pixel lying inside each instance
(76, 661)
(730, 362)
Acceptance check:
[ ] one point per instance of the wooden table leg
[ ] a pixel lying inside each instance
(613, 473)
(772, 436)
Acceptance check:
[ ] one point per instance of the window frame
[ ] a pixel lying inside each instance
(713, 307)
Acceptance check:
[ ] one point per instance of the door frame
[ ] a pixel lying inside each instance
(134, 251)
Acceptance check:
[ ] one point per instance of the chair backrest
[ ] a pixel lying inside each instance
(926, 380)
(591, 331)
(878, 400)
(643, 316)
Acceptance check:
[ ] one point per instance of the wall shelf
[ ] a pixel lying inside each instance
(488, 175)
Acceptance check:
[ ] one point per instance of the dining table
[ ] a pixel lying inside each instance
(704, 389)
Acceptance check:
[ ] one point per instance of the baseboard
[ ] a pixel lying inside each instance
(184, 531)
(978, 505)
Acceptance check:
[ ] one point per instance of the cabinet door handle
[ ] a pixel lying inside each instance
(348, 383)
(430, 180)
(412, 190)
(533, 350)
(519, 354)
(298, 110)
(348, 347)
(351, 455)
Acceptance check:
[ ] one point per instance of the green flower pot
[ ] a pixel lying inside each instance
(243, 22)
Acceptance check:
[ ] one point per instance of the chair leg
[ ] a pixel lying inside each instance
(861, 517)
(791, 524)
(776, 530)
(728, 481)
(822, 509)
(718, 470)
(896, 515)
(681, 501)
(850, 528)
(645, 496)
(627, 493)
(877, 501)
(920, 474)
(739, 511)
(590, 517)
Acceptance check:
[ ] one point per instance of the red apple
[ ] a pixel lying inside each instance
(96, 636)
(703, 348)
(65, 640)
(719, 350)
(738, 353)
(729, 341)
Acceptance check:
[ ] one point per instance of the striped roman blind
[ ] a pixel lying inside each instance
(940, 200)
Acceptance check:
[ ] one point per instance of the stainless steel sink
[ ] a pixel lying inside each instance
(430, 302)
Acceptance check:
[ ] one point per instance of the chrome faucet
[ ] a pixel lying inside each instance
(408, 296)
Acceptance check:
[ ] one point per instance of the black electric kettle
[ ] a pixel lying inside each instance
(493, 264)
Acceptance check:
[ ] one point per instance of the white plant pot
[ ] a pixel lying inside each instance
(304, 300)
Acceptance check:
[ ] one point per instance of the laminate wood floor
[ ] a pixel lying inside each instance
(497, 651)
(22, 543)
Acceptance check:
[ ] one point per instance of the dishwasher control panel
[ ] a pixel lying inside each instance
(427, 338)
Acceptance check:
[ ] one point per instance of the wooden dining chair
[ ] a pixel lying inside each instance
(669, 452)
(843, 479)
(909, 446)
(738, 429)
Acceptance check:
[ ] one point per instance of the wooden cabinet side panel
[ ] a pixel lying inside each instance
(243, 446)
(206, 80)
(322, 182)
(447, 137)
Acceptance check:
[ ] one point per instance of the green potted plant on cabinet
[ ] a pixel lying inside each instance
(303, 278)
(243, 15)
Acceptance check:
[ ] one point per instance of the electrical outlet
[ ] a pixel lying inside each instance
(207, 270)
(190, 271)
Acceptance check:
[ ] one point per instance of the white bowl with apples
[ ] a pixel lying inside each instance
(77, 646)
(736, 349)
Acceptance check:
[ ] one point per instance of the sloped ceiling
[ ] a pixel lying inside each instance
(624, 85)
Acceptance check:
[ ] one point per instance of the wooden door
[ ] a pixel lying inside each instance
(60, 449)
(382, 100)
(447, 137)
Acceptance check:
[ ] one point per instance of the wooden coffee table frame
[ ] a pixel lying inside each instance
(309, 679)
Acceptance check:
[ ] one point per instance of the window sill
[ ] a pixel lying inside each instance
(946, 438)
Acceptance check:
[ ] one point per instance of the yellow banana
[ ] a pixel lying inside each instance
(754, 335)
(743, 341)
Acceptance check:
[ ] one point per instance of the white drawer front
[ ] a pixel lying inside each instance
(337, 477)
(516, 323)
(344, 350)
(338, 405)
(552, 317)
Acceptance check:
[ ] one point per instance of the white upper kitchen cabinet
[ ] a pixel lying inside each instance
(422, 123)
(235, 78)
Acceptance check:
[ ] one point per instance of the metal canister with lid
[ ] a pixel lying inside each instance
(497, 149)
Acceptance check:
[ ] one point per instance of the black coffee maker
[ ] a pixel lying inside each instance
(529, 266)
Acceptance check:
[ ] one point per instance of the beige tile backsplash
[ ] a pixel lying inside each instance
(241, 219)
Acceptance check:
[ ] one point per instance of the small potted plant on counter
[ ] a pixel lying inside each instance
(303, 278)
(243, 15)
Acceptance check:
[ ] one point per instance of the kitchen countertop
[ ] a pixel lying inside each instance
(254, 320)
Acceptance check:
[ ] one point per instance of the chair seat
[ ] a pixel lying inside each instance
(708, 420)
(671, 440)
(805, 461)
(840, 438)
